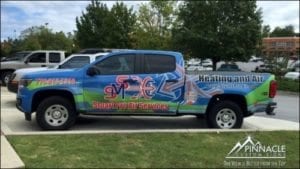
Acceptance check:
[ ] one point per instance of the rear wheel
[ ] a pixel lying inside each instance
(55, 113)
(225, 115)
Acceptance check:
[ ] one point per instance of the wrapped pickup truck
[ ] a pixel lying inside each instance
(144, 82)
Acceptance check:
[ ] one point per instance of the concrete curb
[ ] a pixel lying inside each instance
(263, 123)
(251, 124)
(9, 158)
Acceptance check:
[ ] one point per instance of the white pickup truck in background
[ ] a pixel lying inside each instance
(27, 59)
(72, 62)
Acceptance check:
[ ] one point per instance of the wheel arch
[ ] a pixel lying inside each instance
(240, 100)
(7, 70)
(39, 96)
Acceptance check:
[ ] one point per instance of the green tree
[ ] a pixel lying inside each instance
(42, 38)
(101, 27)
(10, 46)
(266, 31)
(227, 30)
(6, 47)
(92, 29)
(283, 32)
(155, 20)
(122, 25)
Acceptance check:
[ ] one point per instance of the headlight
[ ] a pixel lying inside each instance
(24, 82)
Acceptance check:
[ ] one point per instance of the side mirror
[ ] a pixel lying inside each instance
(26, 61)
(92, 71)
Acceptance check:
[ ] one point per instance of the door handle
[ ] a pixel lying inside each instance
(172, 80)
(129, 81)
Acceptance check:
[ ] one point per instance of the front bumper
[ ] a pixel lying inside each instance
(12, 86)
(19, 107)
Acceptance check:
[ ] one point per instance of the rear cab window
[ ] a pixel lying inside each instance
(117, 65)
(54, 57)
(155, 64)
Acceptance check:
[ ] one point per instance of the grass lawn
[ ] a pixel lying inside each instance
(150, 150)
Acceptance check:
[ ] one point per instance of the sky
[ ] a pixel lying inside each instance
(60, 15)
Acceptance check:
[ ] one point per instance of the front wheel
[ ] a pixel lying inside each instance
(5, 77)
(55, 113)
(225, 115)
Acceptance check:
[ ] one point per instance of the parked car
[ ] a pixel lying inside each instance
(268, 68)
(15, 56)
(208, 68)
(229, 67)
(72, 62)
(206, 63)
(296, 67)
(143, 82)
(256, 59)
(39, 58)
(292, 75)
(195, 68)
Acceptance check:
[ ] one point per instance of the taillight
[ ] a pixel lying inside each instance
(273, 88)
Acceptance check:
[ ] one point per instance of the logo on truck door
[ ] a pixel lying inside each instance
(142, 88)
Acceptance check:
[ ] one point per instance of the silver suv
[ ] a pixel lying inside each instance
(39, 58)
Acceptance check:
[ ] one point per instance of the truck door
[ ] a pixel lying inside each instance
(162, 84)
(109, 91)
(36, 60)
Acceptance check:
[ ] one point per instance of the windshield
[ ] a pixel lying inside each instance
(17, 56)
(75, 62)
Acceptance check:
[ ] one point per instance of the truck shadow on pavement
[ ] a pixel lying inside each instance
(138, 123)
(10, 103)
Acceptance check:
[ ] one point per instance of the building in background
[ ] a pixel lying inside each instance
(281, 47)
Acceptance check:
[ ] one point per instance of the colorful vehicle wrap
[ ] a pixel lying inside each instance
(168, 93)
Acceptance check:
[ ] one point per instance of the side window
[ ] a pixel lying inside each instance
(75, 62)
(117, 65)
(54, 57)
(159, 63)
(37, 58)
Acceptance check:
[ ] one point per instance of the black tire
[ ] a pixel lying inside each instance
(200, 116)
(235, 121)
(53, 103)
(5, 76)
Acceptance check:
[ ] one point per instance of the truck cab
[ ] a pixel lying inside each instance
(143, 82)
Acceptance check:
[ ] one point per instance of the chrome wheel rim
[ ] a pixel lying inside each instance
(226, 118)
(6, 79)
(56, 115)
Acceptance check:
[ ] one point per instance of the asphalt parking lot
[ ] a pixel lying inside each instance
(14, 120)
(287, 107)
